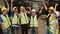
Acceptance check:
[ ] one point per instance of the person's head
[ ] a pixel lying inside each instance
(4, 10)
(22, 8)
(33, 12)
(15, 9)
(51, 9)
(57, 13)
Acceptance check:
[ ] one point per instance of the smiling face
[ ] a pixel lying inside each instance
(33, 13)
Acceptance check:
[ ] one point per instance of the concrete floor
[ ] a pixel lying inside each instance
(41, 28)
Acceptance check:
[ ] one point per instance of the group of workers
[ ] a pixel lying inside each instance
(27, 19)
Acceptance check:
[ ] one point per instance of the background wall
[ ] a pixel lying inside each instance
(1, 3)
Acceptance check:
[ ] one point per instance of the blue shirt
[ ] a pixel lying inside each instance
(1, 19)
(12, 14)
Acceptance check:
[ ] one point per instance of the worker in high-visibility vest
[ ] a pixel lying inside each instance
(4, 19)
(53, 23)
(15, 20)
(51, 10)
(5, 22)
(24, 20)
(34, 22)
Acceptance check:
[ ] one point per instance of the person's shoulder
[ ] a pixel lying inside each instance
(1, 19)
(56, 20)
(12, 14)
(1, 15)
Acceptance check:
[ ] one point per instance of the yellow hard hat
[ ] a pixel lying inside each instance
(3, 8)
(51, 8)
(22, 7)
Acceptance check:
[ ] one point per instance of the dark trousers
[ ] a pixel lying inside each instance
(24, 28)
(1, 31)
(14, 29)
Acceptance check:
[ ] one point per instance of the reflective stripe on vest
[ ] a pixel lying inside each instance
(51, 25)
(46, 17)
(15, 19)
(6, 21)
(34, 22)
(24, 18)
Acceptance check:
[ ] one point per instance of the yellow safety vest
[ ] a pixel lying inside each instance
(15, 19)
(52, 27)
(50, 18)
(24, 18)
(51, 24)
(6, 21)
(34, 21)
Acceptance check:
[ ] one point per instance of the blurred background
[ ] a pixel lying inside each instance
(37, 4)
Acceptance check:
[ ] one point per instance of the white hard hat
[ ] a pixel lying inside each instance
(57, 13)
(14, 8)
(33, 10)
